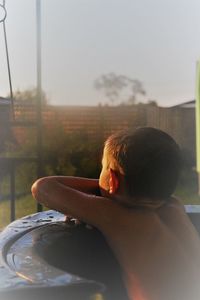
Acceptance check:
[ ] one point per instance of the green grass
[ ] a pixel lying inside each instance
(24, 206)
(187, 189)
(187, 196)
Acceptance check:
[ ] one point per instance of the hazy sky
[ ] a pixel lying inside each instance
(157, 42)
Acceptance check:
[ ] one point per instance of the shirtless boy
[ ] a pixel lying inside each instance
(147, 229)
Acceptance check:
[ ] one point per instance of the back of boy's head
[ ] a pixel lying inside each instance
(149, 159)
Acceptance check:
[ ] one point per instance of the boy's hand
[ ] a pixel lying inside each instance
(73, 221)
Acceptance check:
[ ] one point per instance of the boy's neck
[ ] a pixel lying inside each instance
(140, 202)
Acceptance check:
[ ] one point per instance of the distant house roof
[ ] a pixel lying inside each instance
(188, 104)
(5, 101)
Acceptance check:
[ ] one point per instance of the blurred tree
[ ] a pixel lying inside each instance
(136, 89)
(111, 84)
(70, 154)
(152, 103)
(114, 85)
(63, 154)
(30, 95)
(148, 103)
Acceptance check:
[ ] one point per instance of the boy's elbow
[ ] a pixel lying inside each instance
(38, 187)
(35, 187)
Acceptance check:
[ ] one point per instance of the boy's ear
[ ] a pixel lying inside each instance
(113, 182)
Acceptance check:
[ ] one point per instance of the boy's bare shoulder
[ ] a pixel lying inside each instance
(176, 202)
(172, 205)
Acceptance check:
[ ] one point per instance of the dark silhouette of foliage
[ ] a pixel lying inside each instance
(113, 85)
(30, 96)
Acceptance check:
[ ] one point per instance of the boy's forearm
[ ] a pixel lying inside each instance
(86, 185)
(88, 208)
(54, 194)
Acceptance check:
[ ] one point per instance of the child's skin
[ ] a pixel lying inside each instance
(156, 245)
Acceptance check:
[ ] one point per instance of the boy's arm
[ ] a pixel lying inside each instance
(86, 185)
(95, 210)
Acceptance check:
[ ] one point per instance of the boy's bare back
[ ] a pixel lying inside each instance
(159, 251)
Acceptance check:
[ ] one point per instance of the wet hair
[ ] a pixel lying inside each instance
(149, 159)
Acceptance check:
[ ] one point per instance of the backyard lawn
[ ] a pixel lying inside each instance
(24, 206)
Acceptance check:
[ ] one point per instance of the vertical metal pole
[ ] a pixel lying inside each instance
(39, 95)
(12, 190)
(197, 111)
(198, 183)
(8, 66)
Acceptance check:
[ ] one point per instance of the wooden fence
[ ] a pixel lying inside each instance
(178, 122)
